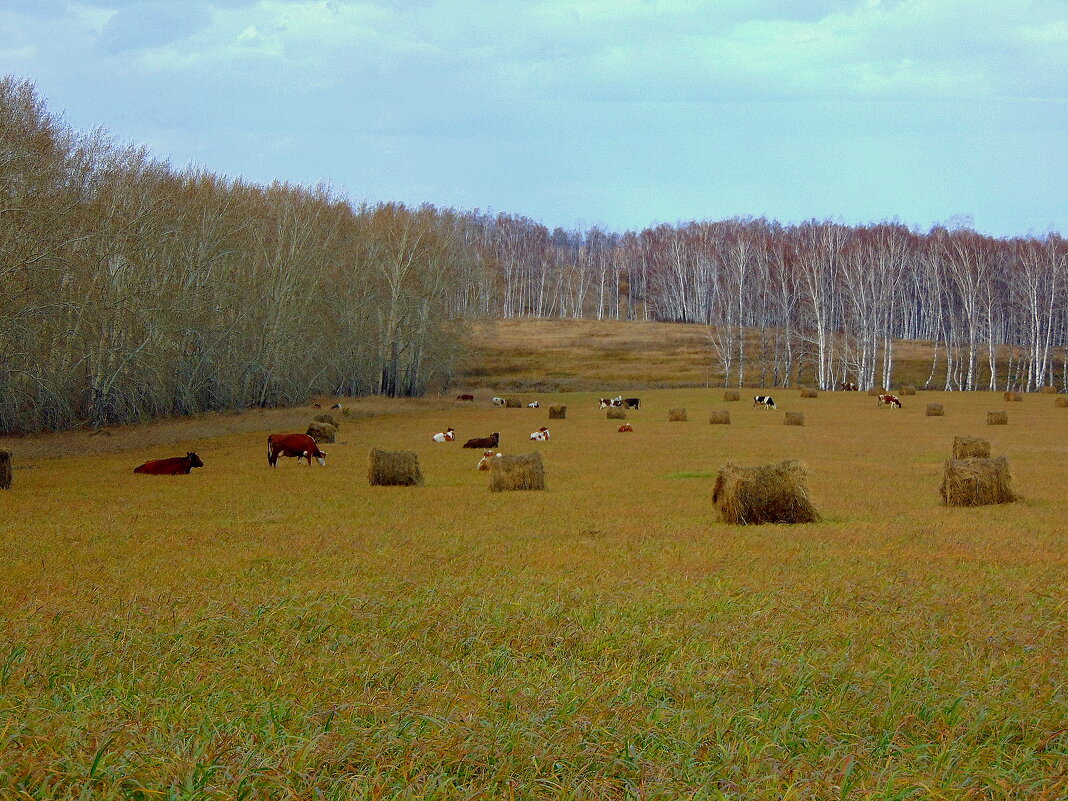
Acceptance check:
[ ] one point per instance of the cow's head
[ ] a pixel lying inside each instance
(194, 460)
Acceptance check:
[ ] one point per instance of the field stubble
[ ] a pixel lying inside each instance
(243, 632)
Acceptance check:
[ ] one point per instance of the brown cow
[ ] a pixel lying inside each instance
(175, 466)
(300, 445)
(491, 441)
(465, 397)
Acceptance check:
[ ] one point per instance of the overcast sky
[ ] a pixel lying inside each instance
(620, 113)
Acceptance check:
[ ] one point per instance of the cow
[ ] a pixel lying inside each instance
(300, 445)
(889, 400)
(498, 401)
(487, 460)
(448, 435)
(625, 428)
(336, 406)
(492, 441)
(606, 402)
(849, 386)
(631, 403)
(542, 434)
(533, 405)
(467, 398)
(764, 402)
(175, 466)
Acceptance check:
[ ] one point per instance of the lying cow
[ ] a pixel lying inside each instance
(448, 435)
(498, 401)
(175, 466)
(487, 460)
(625, 428)
(764, 402)
(491, 441)
(889, 400)
(542, 434)
(300, 445)
(849, 386)
(533, 405)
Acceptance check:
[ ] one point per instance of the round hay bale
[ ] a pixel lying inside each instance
(616, 413)
(935, 410)
(720, 417)
(970, 448)
(5, 470)
(557, 412)
(677, 416)
(774, 493)
(326, 417)
(1014, 396)
(876, 391)
(394, 469)
(512, 403)
(1061, 401)
(997, 418)
(907, 389)
(977, 482)
(732, 395)
(321, 431)
(809, 392)
(1048, 390)
(523, 471)
(794, 419)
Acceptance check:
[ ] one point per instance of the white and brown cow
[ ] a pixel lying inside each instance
(487, 460)
(542, 434)
(448, 435)
(889, 400)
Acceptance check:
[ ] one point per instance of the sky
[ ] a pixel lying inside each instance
(575, 113)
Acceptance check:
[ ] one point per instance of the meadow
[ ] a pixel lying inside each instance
(244, 632)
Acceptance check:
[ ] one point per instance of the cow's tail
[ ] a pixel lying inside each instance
(272, 458)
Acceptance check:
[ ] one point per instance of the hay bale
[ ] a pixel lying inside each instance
(977, 482)
(5, 470)
(523, 471)
(732, 395)
(321, 431)
(970, 448)
(935, 410)
(907, 389)
(326, 417)
(774, 493)
(394, 469)
(876, 391)
(1048, 390)
(997, 418)
(557, 412)
(1062, 401)
(512, 403)
(794, 419)
(1014, 396)
(616, 413)
(809, 392)
(677, 416)
(720, 417)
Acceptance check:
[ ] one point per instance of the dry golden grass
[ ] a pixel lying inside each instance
(295, 633)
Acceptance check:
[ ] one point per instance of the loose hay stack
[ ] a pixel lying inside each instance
(326, 417)
(935, 410)
(321, 431)
(732, 395)
(720, 417)
(1062, 401)
(394, 469)
(907, 389)
(615, 413)
(977, 482)
(997, 418)
(1013, 396)
(557, 412)
(512, 403)
(774, 493)
(5, 470)
(970, 448)
(522, 471)
(1048, 390)
(677, 416)
(876, 391)
(809, 392)
(794, 419)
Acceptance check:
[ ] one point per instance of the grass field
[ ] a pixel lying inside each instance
(248, 633)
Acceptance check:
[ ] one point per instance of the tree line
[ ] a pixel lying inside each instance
(130, 289)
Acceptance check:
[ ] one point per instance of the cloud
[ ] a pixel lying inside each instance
(152, 23)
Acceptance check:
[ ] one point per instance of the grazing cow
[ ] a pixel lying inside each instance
(624, 428)
(533, 405)
(764, 402)
(498, 401)
(487, 460)
(542, 434)
(849, 386)
(448, 435)
(491, 441)
(631, 403)
(889, 400)
(300, 445)
(175, 466)
(465, 397)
